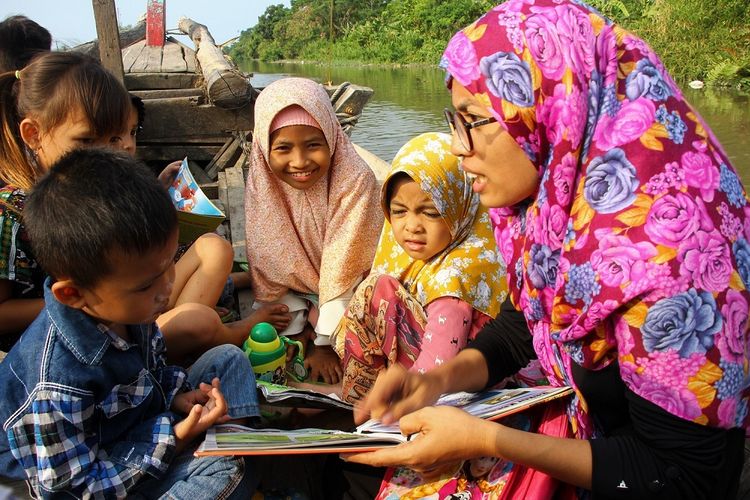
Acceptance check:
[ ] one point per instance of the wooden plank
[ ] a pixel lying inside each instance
(166, 154)
(153, 81)
(211, 189)
(152, 56)
(131, 54)
(198, 173)
(211, 170)
(162, 94)
(108, 33)
(155, 23)
(173, 60)
(226, 158)
(184, 117)
(222, 186)
(236, 211)
(188, 53)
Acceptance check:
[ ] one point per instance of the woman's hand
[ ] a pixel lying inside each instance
(442, 436)
(396, 393)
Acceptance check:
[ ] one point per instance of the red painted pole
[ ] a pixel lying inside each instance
(155, 22)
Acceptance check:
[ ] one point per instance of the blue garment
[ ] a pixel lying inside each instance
(85, 412)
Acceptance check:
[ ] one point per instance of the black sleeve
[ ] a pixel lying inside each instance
(506, 344)
(663, 456)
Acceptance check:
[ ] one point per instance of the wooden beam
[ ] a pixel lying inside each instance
(185, 117)
(155, 23)
(160, 94)
(168, 153)
(225, 85)
(108, 32)
(228, 156)
(155, 81)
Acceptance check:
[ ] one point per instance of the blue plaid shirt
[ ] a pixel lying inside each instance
(83, 411)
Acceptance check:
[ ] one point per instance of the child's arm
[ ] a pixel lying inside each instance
(449, 321)
(16, 314)
(56, 444)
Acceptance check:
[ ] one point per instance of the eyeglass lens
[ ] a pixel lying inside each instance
(458, 125)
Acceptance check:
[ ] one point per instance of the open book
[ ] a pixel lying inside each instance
(492, 405)
(296, 397)
(195, 212)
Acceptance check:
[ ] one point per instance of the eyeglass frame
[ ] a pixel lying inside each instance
(454, 118)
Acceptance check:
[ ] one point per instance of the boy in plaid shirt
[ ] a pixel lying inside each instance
(89, 408)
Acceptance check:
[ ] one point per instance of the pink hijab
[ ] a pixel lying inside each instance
(635, 247)
(314, 241)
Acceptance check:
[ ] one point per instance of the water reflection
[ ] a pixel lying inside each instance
(409, 101)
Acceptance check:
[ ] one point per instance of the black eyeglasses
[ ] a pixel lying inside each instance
(461, 127)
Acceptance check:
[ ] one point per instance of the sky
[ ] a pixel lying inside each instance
(72, 21)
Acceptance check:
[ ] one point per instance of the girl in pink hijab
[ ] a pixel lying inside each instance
(312, 215)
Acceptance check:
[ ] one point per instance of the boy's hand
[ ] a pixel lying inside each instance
(322, 361)
(201, 416)
(166, 177)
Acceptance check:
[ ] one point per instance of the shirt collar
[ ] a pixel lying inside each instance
(85, 337)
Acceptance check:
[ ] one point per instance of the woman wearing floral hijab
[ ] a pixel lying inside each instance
(624, 229)
(437, 277)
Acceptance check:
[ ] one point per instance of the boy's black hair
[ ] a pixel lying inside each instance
(93, 202)
(20, 40)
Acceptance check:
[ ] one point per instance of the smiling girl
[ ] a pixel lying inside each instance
(312, 220)
(437, 276)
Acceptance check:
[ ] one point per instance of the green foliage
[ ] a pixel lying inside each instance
(697, 39)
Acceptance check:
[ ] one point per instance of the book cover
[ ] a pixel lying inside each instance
(196, 214)
(239, 440)
(491, 404)
(296, 397)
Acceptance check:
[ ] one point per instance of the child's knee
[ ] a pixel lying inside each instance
(214, 247)
(192, 321)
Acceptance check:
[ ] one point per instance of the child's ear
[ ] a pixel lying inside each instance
(68, 293)
(31, 132)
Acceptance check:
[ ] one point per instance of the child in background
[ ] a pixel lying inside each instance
(20, 40)
(311, 214)
(437, 277)
(59, 102)
(90, 408)
(201, 273)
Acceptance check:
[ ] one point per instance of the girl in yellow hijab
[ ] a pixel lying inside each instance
(437, 277)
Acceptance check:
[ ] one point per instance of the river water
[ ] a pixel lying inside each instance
(409, 101)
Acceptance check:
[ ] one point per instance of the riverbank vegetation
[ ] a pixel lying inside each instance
(697, 39)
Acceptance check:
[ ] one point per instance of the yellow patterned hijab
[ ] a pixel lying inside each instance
(470, 268)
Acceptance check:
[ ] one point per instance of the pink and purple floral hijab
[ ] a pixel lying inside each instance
(635, 247)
